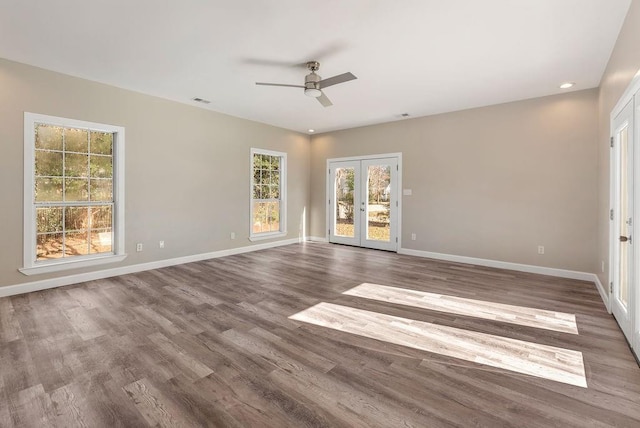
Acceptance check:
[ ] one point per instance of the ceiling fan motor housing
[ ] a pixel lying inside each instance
(311, 86)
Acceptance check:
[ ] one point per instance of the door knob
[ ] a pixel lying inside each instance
(624, 239)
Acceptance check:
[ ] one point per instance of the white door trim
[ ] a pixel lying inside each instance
(635, 322)
(398, 156)
(631, 94)
(331, 203)
(393, 204)
(625, 316)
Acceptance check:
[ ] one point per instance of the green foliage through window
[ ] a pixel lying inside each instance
(267, 173)
(73, 191)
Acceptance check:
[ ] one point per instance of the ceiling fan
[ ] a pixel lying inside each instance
(314, 84)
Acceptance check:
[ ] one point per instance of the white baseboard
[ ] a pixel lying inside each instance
(44, 284)
(561, 273)
(603, 294)
(28, 287)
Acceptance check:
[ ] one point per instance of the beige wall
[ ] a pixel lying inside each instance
(492, 182)
(187, 169)
(623, 65)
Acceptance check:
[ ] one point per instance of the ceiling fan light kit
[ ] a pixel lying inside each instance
(312, 92)
(314, 84)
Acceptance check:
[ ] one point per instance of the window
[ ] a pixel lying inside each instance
(74, 183)
(268, 202)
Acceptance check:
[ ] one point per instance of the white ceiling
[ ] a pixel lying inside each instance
(410, 56)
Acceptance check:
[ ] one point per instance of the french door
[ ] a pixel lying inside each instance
(363, 202)
(623, 258)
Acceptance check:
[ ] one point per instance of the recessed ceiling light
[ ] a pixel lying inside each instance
(312, 131)
(567, 85)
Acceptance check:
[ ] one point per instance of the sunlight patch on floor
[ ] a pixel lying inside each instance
(547, 362)
(531, 317)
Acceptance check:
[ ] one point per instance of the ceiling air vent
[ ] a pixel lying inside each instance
(201, 100)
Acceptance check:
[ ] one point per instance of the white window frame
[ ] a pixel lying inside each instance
(31, 266)
(283, 196)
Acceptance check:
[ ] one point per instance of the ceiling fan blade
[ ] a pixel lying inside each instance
(340, 78)
(324, 100)
(328, 50)
(279, 84)
(321, 54)
(265, 62)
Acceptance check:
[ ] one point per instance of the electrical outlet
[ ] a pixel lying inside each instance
(413, 236)
(233, 235)
(161, 244)
(540, 249)
(139, 247)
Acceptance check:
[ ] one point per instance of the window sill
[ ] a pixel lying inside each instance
(72, 264)
(264, 236)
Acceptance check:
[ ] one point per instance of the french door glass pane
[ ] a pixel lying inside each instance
(378, 202)
(344, 202)
(623, 292)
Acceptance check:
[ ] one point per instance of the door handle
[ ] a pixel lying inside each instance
(625, 238)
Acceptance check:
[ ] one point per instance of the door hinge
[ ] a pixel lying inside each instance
(611, 141)
(396, 203)
(611, 214)
(329, 201)
(397, 167)
(396, 239)
(611, 287)
(329, 232)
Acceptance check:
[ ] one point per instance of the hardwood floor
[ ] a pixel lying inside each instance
(236, 341)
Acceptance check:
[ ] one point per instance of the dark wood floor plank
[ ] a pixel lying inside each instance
(239, 401)
(211, 343)
(9, 325)
(156, 408)
(442, 409)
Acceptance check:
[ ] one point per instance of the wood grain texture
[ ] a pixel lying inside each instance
(211, 344)
(532, 317)
(548, 362)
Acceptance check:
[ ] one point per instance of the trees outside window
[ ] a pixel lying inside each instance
(73, 192)
(268, 178)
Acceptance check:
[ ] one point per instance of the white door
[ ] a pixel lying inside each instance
(363, 203)
(622, 237)
(635, 288)
(344, 202)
